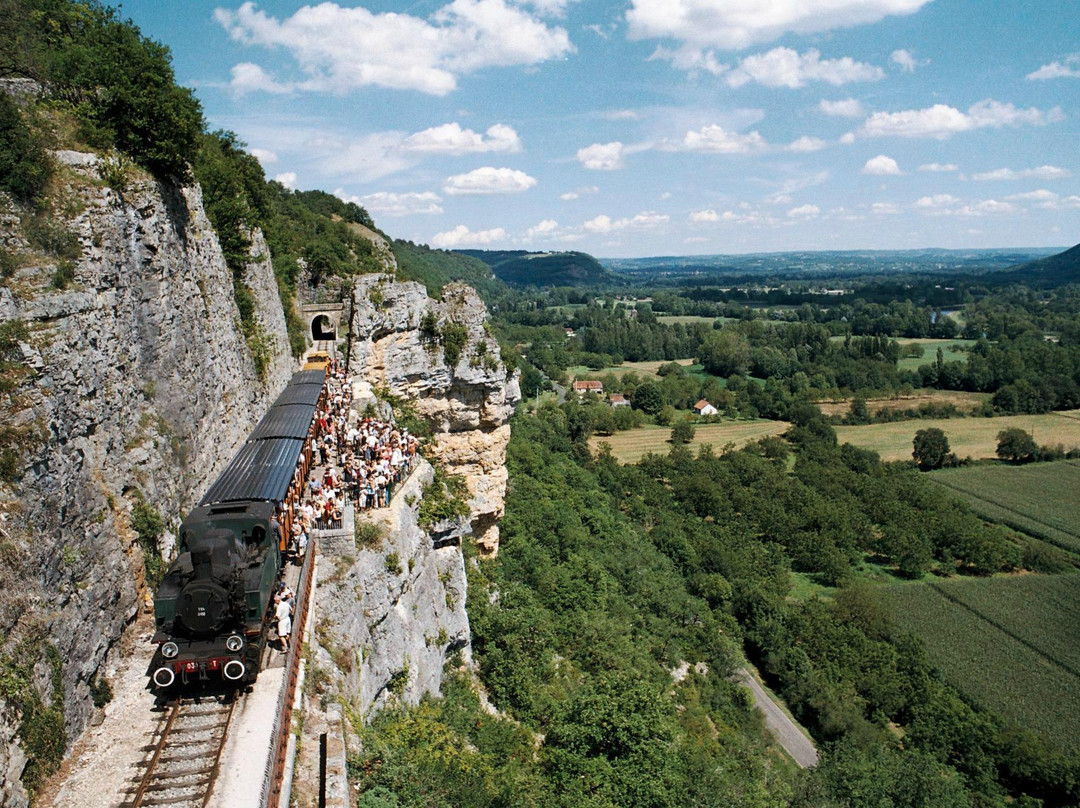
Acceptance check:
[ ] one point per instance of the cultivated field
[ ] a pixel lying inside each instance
(641, 368)
(1042, 499)
(631, 446)
(965, 402)
(949, 351)
(968, 437)
(1009, 643)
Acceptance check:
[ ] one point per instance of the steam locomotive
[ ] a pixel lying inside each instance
(214, 606)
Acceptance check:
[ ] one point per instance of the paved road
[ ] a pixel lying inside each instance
(795, 743)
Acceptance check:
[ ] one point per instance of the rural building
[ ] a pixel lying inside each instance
(583, 387)
(618, 400)
(703, 407)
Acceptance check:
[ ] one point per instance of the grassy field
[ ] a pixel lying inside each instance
(965, 402)
(1010, 643)
(691, 318)
(647, 369)
(949, 351)
(968, 437)
(631, 446)
(1041, 499)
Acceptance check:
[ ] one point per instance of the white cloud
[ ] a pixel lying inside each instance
(804, 212)
(938, 203)
(806, 143)
(450, 138)
(784, 67)
(881, 166)
(848, 108)
(1042, 195)
(250, 78)
(987, 207)
(1067, 68)
(704, 216)
(885, 209)
(941, 121)
(702, 24)
(620, 115)
(340, 49)
(1040, 173)
(461, 236)
(904, 58)
(288, 179)
(392, 204)
(602, 156)
(264, 156)
(714, 139)
(939, 168)
(489, 180)
(847, 138)
(645, 220)
(579, 192)
(544, 228)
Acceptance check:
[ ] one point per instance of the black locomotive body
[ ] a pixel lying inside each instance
(213, 607)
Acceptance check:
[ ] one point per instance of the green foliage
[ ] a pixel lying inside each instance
(392, 562)
(930, 449)
(24, 165)
(444, 499)
(454, 337)
(542, 269)
(648, 398)
(148, 525)
(51, 237)
(1016, 445)
(63, 275)
(368, 535)
(399, 680)
(436, 268)
(101, 692)
(120, 85)
(41, 728)
(682, 433)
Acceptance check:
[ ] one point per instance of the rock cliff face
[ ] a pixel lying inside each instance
(404, 342)
(390, 611)
(142, 388)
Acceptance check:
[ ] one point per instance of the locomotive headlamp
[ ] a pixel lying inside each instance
(169, 650)
(234, 643)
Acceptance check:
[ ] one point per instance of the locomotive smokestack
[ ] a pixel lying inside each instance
(202, 565)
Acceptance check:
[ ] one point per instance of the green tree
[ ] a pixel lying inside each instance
(24, 167)
(1014, 445)
(682, 432)
(648, 398)
(930, 448)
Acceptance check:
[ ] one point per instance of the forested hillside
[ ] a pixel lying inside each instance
(523, 268)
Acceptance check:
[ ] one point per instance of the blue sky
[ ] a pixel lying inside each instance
(656, 127)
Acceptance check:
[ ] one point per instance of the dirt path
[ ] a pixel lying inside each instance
(786, 731)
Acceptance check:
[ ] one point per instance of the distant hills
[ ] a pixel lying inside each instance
(523, 268)
(436, 268)
(1054, 270)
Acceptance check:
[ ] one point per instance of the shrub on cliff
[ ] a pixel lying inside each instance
(24, 167)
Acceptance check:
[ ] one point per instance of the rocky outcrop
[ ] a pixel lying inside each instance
(390, 610)
(142, 388)
(405, 342)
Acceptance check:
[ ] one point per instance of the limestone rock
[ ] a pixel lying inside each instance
(469, 404)
(141, 386)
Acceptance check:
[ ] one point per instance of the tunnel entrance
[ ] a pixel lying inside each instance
(322, 328)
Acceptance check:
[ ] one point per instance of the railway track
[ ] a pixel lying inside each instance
(184, 755)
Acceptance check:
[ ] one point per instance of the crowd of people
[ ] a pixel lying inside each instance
(359, 460)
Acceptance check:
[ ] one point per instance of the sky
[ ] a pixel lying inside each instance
(656, 127)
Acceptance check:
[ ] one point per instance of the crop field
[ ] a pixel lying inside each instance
(1041, 499)
(631, 446)
(691, 318)
(968, 437)
(952, 350)
(647, 369)
(1009, 643)
(965, 402)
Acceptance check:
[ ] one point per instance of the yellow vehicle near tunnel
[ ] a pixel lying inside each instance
(318, 360)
